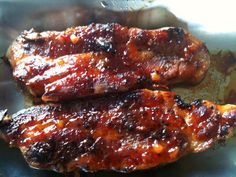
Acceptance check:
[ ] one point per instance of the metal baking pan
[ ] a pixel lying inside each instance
(212, 23)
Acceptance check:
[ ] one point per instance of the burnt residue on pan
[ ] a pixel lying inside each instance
(219, 84)
(231, 97)
(225, 61)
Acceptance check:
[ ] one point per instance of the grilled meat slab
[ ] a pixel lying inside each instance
(131, 131)
(105, 58)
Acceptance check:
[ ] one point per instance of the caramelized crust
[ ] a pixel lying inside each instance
(105, 58)
(131, 131)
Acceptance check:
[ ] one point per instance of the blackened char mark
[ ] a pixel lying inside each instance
(41, 152)
(71, 150)
(197, 102)
(105, 45)
(181, 103)
(27, 46)
(224, 130)
(176, 33)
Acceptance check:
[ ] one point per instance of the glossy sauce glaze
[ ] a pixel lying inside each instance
(131, 131)
(105, 58)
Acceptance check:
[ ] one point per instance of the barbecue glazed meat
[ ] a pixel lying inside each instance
(132, 131)
(105, 58)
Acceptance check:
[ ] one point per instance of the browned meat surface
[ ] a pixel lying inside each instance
(132, 131)
(105, 58)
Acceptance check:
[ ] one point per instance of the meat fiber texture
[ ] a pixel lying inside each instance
(131, 131)
(105, 58)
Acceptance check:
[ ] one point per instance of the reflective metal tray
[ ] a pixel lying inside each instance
(207, 24)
